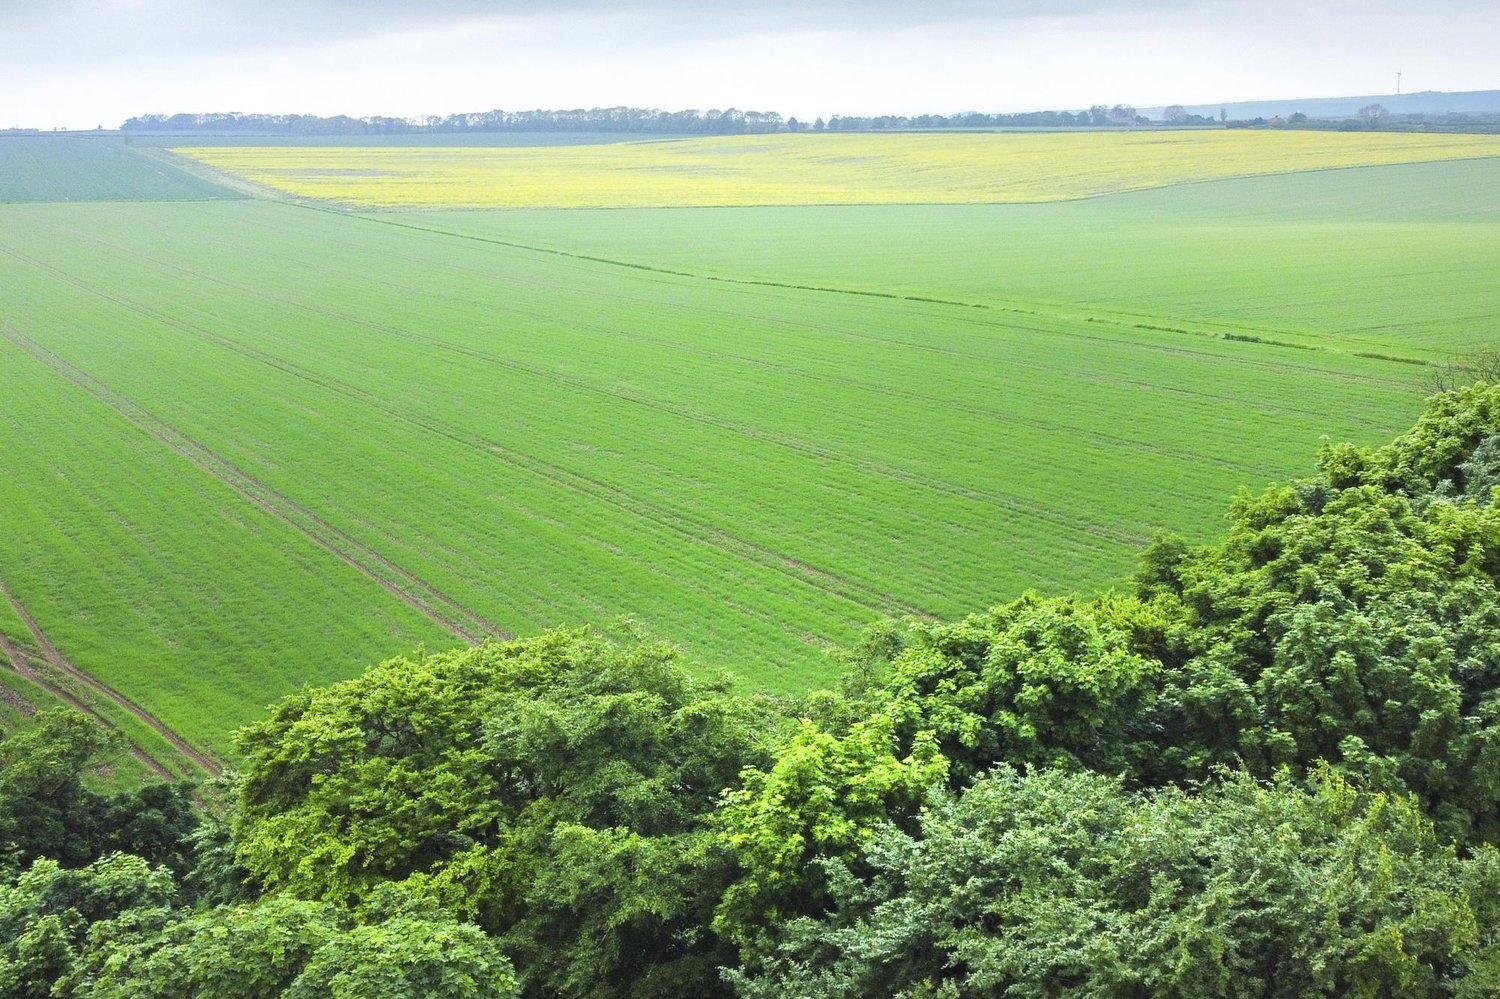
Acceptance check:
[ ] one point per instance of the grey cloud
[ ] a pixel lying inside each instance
(234, 21)
(240, 23)
(254, 47)
(65, 35)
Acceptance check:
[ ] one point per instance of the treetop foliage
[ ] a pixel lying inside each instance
(618, 119)
(1064, 884)
(46, 809)
(557, 791)
(732, 121)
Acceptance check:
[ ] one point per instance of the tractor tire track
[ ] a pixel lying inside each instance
(792, 443)
(671, 521)
(17, 663)
(1028, 510)
(1032, 511)
(20, 662)
(426, 599)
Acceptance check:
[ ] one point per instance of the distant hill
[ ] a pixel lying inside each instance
(1423, 102)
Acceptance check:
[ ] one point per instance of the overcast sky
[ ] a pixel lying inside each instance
(78, 63)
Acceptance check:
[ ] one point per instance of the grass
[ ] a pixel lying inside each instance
(17, 703)
(252, 445)
(149, 573)
(831, 169)
(12, 628)
(1402, 260)
(75, 168)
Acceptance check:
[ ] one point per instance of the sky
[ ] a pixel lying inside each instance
(81, 63)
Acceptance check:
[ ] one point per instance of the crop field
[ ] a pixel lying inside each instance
(77, 168)
(1403, 260)
(829, 169)
(254, 444)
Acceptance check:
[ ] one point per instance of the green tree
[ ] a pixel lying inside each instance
(406, 958)
(49, 912)
(46, 810)
(823, 798)
(558, 791)
(229, 952)
(44, 807)
(1047, 682)
(1353, 618)
(1066, 885)
(297, 949)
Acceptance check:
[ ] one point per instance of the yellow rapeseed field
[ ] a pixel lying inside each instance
(816, 169)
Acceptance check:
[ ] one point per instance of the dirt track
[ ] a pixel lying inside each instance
(20, 661)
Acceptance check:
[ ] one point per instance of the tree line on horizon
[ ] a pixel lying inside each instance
(1268, 767)
(618, 119)
(622, 120)
(648, 121)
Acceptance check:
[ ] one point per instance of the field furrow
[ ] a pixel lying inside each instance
(336, 541)
(673, 519)
(21, 662)
(416, 592)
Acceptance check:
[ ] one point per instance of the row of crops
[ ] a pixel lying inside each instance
(265, 445)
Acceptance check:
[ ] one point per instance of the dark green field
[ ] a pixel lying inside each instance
(250, 445)
(78, 168)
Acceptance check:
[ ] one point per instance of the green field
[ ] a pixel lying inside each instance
(1396, 259)
(251, 445)
(78, 168)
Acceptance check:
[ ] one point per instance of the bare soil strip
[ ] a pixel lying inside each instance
(57, 659)
(20, 663)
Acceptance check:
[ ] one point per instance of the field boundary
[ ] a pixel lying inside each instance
(1205, 328)
(21, 662)
(1212, 329)
(206, 173)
